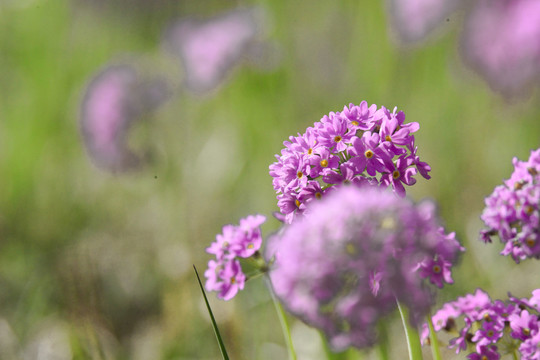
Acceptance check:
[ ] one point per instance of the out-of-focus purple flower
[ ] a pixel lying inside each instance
(512, 324)
(501, 41)
(342, 266)
(530, 348)
(115, 99)
(414, 20)
(210, 48)
(512, 211)
(485, 353)
(354, 146)
(224, 274)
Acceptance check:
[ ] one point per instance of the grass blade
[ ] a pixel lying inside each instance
(214, 325)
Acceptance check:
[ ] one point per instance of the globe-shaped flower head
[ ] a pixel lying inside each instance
(343, 265)
(512, 211)
(361, 145)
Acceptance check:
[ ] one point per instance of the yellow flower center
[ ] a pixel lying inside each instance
(337, 138)
(388, 223)
(388, 138)
(368, 154)
(318, 195)
(436, 269)
(351, 249)
(233, 280)
(297, 202)
(396, 174)
(324, 163)
(530, 242)
(250, 246)
(310, 151)
(299, 174)
(529, 209)
(354, 123)
(526, 332)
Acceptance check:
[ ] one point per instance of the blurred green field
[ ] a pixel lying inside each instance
(99, 266)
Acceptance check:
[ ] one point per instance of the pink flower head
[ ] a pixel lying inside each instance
(342, 265)
(512, 211)
(362, 145)
(501, 40)
(414, 20)
(209, 48)
(113, 102)
(224, 274)
(512, 324)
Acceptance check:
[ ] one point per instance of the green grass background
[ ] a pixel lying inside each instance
(99, 266)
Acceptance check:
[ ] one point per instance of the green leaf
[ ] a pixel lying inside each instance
(214, 325)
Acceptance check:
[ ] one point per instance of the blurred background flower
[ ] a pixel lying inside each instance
(501, 41)
(116, 98)
(105, 260)
(210, 48)
(413, 21)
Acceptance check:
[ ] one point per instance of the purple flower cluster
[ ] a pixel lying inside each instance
(224, 274)
(114, 101)
(512, 211)
(341, 267)
(501, 41)
(495, 328)
(210, 48)
(348, 147)
(414, 20)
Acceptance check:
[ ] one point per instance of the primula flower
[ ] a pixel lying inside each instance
(512, 211)
(210, 48)
(501, 41)
(414, 20)
(114, 100)
(512, 324)
(342, 266)
(361, 145)
(224, 274)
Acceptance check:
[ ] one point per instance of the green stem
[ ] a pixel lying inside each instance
(515, 355)
(283, 321)
(413, 339)
(435, 351)
(349, 354)
(382, 348)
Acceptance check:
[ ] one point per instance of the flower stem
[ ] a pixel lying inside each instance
(382, 348)
(349, 354)
(413, 340)
(435, 351)
(283, 321)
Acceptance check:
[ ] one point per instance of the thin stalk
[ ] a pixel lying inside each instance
(413, 339)
(283, 321)
(435, 351)
(515, 355)
(382, 347)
